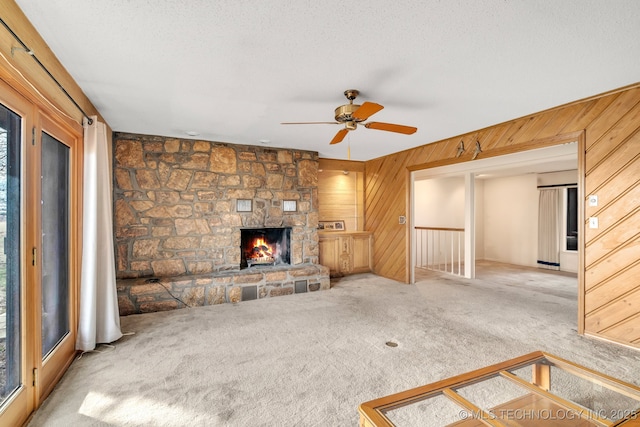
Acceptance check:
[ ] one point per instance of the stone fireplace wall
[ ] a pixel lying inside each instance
(175, 203)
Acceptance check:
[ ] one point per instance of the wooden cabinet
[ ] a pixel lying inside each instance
(329, 251)
(346, 252)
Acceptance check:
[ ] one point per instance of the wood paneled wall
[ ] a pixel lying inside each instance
(341, 192)
(608, 128)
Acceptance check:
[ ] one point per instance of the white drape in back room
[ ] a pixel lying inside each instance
(99, 319)
(549, 227)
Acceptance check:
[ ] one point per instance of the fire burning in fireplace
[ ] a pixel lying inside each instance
(265, 246)
(261, 253)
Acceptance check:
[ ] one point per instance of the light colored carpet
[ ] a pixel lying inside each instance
(311, 359)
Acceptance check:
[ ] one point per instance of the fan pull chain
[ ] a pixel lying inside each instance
(348, 147)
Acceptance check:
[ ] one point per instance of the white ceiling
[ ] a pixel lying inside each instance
(232, 70)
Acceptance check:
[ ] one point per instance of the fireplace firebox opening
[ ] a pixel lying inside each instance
(265, 246)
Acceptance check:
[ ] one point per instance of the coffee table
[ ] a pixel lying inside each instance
(537, 389)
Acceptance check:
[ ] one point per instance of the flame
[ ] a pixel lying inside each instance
(261, 249)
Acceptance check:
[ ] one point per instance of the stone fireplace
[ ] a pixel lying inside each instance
(177, 214)
(260, 247)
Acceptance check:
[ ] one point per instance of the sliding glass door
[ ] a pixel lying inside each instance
(11, 326)
(16, 350)
(56, 265)
(39, 235)
(55, 242)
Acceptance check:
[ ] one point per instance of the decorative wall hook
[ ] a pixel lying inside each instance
(460, 149)
(478, 150)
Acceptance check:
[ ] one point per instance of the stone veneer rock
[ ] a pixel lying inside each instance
(175, 203)
(160, 294)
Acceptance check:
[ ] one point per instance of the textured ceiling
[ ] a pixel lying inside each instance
(232, 70)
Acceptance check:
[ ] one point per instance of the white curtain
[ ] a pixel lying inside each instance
(99, 320)
(549, 228)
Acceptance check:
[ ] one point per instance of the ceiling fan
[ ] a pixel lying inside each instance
(353, 114)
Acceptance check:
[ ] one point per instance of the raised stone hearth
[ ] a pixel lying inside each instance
(145, 295)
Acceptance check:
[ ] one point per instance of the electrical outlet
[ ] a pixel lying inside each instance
(402, 219)
(593, 222)
(593, 200)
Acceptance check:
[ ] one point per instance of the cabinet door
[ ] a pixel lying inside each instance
(329, 254)
(361, 254)
(345, 258)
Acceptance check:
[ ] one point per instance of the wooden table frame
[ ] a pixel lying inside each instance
(372, 413)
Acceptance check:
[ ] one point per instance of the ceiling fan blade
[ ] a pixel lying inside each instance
(365, 110)
(339, 136)
(310, 123)
(390, 127)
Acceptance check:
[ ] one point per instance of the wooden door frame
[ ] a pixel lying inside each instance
(22, 402)
(38, 116)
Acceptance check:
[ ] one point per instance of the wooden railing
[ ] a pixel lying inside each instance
(440, 249)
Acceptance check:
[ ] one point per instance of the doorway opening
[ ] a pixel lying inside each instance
(494, 203)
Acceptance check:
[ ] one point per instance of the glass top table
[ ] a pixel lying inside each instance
(537, 389)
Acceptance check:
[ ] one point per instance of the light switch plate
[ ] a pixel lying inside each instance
(402, 219)
(593, 200)
(593, 222)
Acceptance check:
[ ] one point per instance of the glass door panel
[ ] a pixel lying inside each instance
(10, 237)
(56, 278)
(40, 166)
(55, 242)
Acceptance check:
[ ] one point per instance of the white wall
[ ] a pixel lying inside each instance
(558, 178)
(511, 220)
(479, 190)
(439, 202)
(506, 214)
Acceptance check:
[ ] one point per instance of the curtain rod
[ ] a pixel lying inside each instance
(33, 55)
(558, 185)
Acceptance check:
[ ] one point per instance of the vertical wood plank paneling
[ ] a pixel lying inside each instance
(611, 124)
(339, 198)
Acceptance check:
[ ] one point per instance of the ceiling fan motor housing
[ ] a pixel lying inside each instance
(344, 112)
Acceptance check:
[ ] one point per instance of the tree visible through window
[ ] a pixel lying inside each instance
(572, 219)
